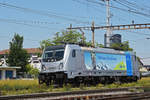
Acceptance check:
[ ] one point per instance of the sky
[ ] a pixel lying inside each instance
(38, 20)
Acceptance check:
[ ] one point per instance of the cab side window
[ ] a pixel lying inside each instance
(73, 53)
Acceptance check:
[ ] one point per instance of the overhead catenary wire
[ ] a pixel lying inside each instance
(75, 16)
(122, 18)
(123, 4)
(134, 5)
(51, 12)
(26, 24)
(44, 13)
(30, 21)
(122, 9)
(92, 6)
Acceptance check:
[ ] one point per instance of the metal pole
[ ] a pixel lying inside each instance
(70, 27)
(107, 13)
(108, 32)
(93, 34)
(83, 38)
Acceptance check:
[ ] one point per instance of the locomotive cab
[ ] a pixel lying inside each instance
(52, 64)
(52, 59)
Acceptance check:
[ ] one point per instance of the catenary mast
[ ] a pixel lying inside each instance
(109, 30)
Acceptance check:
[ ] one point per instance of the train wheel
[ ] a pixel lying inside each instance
(40, 81)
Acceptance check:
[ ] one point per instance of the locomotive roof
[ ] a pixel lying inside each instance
(103, 50)
(54, 47)
(74, 46)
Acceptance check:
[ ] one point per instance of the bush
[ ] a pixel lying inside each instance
(82, 87)
(114, 85)
(67, 87)
(32, 71)
(99, 85)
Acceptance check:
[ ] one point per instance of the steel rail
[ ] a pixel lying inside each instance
(131, 96)
(87, 93)
(128, 96)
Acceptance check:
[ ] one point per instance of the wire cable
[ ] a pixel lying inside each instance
(20, 23)
(122, 9)
(44, 13)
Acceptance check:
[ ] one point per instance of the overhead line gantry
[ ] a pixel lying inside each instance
(114, 27)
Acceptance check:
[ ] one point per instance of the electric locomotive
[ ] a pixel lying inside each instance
(76, 64)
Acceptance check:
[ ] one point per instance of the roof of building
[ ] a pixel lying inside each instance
(4, 52)
(34, 50)
(29, 50)
(14, 67)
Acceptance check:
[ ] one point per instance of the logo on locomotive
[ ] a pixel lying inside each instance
(105, 61)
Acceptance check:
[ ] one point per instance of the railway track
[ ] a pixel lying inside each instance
(105, 94)
(130, 96)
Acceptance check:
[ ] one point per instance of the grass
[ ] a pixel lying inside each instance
(14, 87)
(20, 87)
(18, 84)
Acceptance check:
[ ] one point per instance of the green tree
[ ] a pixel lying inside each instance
(121, 46)
(45, 43)
(28, 68)
(99, 45)
(73, 36)
(17, 55)
(61, 38)
(32, 71)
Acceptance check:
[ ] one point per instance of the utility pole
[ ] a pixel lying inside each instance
(109, 31)
(83, 38)
(93, 34)
(70, 27)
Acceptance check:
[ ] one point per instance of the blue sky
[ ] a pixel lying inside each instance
(41, 19)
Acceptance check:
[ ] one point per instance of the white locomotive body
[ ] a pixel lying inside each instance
(76, 64)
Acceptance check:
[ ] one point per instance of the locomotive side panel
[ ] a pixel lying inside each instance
(90, 63)
(135, 66)
(111, 64)
(73, 64)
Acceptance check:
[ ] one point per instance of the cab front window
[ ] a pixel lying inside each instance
(54, 55)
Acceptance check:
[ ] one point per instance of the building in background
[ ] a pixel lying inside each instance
(7, 72)
(34, 53)
(30, 51)
(115, 38)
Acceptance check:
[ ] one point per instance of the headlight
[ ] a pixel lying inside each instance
(61, 66)
(43, 68)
